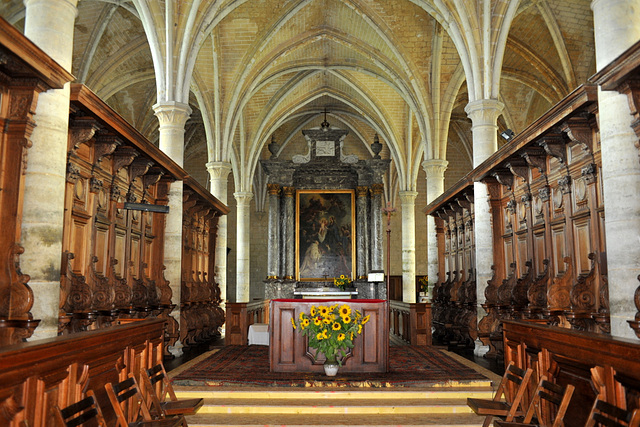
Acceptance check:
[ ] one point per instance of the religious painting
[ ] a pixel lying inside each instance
(325, 234)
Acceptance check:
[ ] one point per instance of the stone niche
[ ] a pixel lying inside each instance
(325, 166)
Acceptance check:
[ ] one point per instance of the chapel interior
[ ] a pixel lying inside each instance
(175, 172)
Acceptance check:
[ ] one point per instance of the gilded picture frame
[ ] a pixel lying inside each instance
(325, 234)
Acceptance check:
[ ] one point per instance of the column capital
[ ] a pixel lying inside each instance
(435, 168)
(484, 111)
(288, 191)
(362, 191)
(172, 113)
(274, 189)
(243, 197)
(218, 170)
(407, 197)
(377, 189)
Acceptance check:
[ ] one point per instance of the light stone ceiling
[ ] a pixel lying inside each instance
(256, 69)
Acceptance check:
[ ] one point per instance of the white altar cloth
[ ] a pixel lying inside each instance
(259, 334)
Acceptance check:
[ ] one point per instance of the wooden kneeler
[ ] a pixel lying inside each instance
(501, 406)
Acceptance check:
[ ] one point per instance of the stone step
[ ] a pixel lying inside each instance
(335, 420)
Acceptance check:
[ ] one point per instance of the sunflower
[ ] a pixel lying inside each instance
(293, 323)
(301, 315)
(323, 310)
(324, 334)
(365, 319)
(319, 336)
(305, 323)
(345, 310)
(327, 320)
(336, 326)
(342, 276)
(346, 319)
(317, 321)
(359, 329)
(341, 337)
(312, 311)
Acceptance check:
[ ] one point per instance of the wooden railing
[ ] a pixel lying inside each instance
(411, 322)
(242, 314)
(38, 375)
(597, 365)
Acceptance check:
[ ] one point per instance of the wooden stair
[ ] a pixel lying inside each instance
(443, 405)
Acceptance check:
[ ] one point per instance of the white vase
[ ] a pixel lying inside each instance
(331, 369)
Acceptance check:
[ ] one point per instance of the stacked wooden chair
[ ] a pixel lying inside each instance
(549, 394)
(158, 386)
(608, 415)
(503, 405)
(130, 406)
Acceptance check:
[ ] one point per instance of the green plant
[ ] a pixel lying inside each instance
(342, 281)
(331, 329)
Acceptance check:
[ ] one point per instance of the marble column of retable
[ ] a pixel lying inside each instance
(273, 247)
(43, 215)
(288, 240)
(376, 240)
(362, 220)
(617, 27)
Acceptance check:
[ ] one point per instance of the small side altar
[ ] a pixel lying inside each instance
(289, 352)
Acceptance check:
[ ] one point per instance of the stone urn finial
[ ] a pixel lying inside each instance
(273, 147)
(376, 147)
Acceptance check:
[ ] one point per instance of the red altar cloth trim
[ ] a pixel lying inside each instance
(319, 300)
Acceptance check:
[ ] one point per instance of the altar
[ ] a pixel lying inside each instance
(288, 349)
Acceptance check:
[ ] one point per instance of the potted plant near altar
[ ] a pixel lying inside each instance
(423, 282)
(331, 331)
(342, 282)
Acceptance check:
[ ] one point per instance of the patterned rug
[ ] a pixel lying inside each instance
(410, 366)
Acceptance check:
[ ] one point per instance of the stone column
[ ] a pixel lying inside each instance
(617, 27)
(434, 168)
(43, 215)
(408, 203)
(377, 251)
(484, 115)
(218, 175)
(243, 263)
(172, 117)
(362, 221)
(288, 240)
(273, 248)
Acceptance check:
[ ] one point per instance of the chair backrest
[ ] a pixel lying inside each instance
(86, 411)
(127, 402)
(555, 395)
(513, 384)
(157, 387)
(606, 414)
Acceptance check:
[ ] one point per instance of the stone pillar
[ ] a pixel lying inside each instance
(172, 117)
(273, 248)
(434, 168)
(218, 175)
(43, 215)
(617, 27)
(362, 229)
(484, 115)
(243, 263)
(408, 203)
(377, 251)
(288, 239)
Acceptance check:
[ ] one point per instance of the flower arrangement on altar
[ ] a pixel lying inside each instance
(331, 329)
(342, 281)
(424, 284)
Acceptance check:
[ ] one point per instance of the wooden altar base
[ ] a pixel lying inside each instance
(289, 352)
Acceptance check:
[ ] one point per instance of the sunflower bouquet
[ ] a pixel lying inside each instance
(331, 329)
(342, 281)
